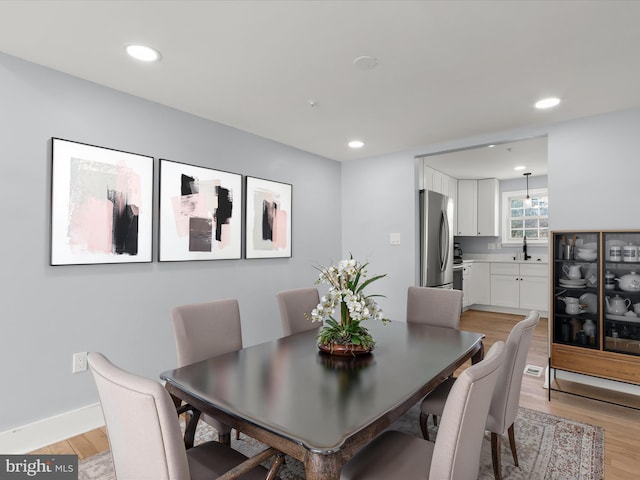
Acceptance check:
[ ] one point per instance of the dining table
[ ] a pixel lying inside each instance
(317, 407)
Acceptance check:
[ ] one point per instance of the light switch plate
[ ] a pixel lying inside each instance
(394, 238)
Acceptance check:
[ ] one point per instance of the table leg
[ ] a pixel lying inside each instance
(322, 467)
(479, 355)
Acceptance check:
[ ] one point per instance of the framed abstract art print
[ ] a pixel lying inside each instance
(101, 205)
(200, 213)
(268, 219)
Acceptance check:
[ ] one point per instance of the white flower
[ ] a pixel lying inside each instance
(343, 280)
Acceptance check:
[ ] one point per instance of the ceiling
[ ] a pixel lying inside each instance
(446, 70)
(494, 161)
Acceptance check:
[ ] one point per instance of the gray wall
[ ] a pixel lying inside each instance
(123, 310)
(379, 198)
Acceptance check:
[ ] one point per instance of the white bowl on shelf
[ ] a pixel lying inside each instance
(588, 255)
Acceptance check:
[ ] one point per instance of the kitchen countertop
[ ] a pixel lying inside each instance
(503, 258)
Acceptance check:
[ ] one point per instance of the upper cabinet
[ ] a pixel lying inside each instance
(478, 208)
(439, 182)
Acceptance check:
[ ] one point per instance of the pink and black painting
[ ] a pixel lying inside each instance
(200, 213)
(268, 219)
(101, 205)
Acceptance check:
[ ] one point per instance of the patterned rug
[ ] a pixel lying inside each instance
(549, 447)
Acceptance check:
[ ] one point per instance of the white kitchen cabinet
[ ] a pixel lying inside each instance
(534, 293)
(480, 284)
(488, 207)
(452, 192)
(467, 208)
(467, 286)
(478, 208)
(441, 183)
(519, 285)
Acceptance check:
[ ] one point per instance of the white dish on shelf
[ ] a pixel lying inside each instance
(576, 282)
(591, 301)
(622, 318)
(573, 286)
(588, 246)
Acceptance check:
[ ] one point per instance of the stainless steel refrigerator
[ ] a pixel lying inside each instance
(436, 240)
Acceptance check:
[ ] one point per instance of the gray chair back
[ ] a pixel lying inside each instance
(142, 424)
(504, 406)
(456, 453)
(434, 306)
(293, 305)
(204, 330)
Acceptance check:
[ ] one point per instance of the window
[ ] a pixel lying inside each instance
(520, 219)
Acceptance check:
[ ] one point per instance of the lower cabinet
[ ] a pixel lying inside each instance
(480, 285)
(467, 287)
(518, 285)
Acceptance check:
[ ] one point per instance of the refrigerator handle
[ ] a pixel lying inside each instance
(444, 252)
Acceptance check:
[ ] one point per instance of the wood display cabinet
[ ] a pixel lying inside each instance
(594, 329)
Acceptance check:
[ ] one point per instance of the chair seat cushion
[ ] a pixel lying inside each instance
(389, 456)
(433, 403)
(218, 458)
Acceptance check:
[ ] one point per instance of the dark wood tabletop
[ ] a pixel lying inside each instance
(316, 407)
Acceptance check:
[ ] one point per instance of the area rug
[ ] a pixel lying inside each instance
(549, 448)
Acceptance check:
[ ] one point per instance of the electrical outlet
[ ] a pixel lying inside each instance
(491, 246)
(79, 362)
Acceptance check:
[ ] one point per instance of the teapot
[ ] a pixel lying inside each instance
(573, 272)
(629, 282)
(617, 305)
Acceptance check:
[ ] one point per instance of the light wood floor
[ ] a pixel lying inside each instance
(621, 424)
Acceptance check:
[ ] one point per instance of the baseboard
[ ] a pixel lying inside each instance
(493, 308)
(50, 430)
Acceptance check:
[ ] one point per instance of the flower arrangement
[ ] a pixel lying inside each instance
(347, 282)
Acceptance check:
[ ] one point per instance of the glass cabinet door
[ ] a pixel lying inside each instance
(576, 281)
(621, 302)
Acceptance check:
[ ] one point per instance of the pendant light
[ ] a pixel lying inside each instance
(527, 201)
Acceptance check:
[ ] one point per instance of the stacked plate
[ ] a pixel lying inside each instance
(568, 283)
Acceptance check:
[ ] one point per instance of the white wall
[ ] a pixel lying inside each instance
(594, 172)
(48, 313)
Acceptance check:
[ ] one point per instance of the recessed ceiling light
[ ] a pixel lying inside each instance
(519, 167)
(547, 102)
(490, 146)
(142, 53)
(356, 144)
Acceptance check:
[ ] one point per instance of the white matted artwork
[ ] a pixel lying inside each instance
(200, 213)
(268, 219)
(101, 205)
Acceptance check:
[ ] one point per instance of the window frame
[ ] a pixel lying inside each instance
(506, 210)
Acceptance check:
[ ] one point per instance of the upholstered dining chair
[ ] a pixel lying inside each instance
(145, 438)
(434, 306)
(504, 404)
(455, 455)
(293, 305)
(204, 330)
